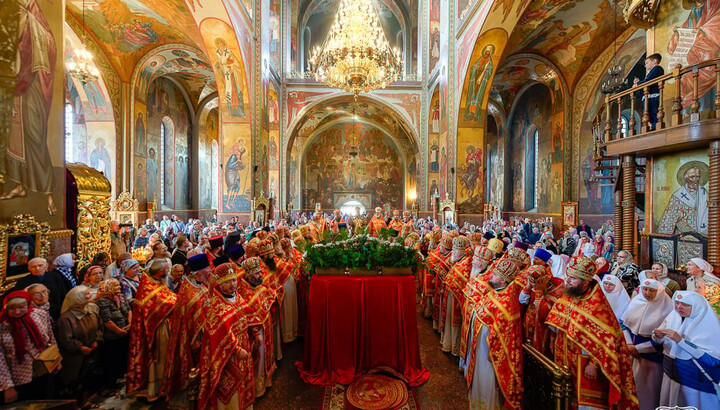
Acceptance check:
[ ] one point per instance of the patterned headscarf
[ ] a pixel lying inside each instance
(18, 324)
(64, 264)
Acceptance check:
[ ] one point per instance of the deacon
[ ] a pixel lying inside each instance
(226, 365)
(377, 223)
(150, 332)
(187, 322)
(590, 342)
(495, 373)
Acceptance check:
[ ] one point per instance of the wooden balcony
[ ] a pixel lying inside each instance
(617, 132)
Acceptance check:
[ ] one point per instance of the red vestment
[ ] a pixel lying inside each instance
(317, 229)
(262, 301)
(302, 288)
(541, 302)
(440, 273)
(396, 224)
(375, 225)
(187, 321)
(154, 302)
(499, 311)
(589, 332)
(455, 281)
(222, 373)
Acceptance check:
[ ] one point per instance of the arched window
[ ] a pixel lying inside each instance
(531, 168)
(536, 139)
(69, 118)
(214, 158)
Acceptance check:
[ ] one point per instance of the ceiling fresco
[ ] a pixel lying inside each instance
(571, 34)
(516, 72)
(126, 29)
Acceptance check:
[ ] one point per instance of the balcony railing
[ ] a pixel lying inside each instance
(611, 125)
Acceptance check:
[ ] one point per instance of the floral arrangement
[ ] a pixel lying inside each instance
(361, 251)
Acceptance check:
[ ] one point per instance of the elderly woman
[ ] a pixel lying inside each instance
(615, 294)
(644, 314)
(24, 333)
(130, 279)
(700, 270)
(626, 270)
(78, 331)
(689, 336)
(661, 275)
(116, 315)
(39, 296)
(93, 277)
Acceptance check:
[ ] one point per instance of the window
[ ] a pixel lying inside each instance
(348, 208)
(69, 132)
(625, 126)
(536, 138)
(531, 169)
(163, 134)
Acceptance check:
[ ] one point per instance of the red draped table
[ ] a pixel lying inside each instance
(357, 323)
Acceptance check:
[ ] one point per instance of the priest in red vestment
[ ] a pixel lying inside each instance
(450, 308)
(150, 332)
(336, 221)
(396, 223)
(455, 256)
(271, 269)
(495, 362)
(187, 323)
(226, 365)
(263, 302)
(318, 225)
(590, 342)
(437, 260)
(540, 294)
(377, 223)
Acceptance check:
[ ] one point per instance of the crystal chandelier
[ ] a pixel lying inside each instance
(356, 56)
(81, 66)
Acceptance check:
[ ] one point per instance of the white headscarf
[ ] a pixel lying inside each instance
(76, 301)
(589, 250)
(558, 267)
(618, 298)
(702, 264)
(642, 316)
(702, 327)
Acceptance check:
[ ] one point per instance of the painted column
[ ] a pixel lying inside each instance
(713, 255)
(618, 221)
(628, 204)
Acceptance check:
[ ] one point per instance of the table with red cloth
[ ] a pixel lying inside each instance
(355, 324)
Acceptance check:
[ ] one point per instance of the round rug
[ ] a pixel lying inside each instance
(376, 392)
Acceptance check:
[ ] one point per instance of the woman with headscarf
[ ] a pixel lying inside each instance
(93, 276)
(701, 270)
(78, 331)
(130, 278)
(661, 275)
(598, 243)
(689, 336)
(115, 314)
(602, 267)
(626, 270)
(615, 294)
(644, 314)
(39, 296)
(24, 333)
(558, 266)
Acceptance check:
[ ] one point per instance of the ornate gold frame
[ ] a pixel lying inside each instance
(569, 206)
(23, 224)
(125, 208)
(260, 203)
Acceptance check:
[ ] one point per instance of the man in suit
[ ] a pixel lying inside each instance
(654, 70)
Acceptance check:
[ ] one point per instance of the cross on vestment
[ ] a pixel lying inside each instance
(685, 196)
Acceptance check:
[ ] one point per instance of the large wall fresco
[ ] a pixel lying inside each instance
(434, 157)
(208, 158)
(161, 147)
(330, 171)
(495, 138)
(688, 34)
(32, 174)
(126, 29)
(471, 121)
(680, 192)
(533, 112)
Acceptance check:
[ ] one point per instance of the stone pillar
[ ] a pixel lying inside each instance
(618, 218)
(628, 204)
(713, 236)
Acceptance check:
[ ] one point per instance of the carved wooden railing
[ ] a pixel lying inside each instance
(608, 125)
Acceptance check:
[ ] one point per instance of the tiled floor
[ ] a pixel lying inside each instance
(445, 389)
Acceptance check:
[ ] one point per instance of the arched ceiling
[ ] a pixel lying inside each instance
(127, 29)
(343, 109)
(570, 33)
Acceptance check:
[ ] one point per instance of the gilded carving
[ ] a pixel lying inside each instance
(93, 229)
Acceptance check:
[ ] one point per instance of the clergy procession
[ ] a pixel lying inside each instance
(204, 326)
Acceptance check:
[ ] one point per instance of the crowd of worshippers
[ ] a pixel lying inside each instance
(202, 316)
(630, 338)
(211, 309)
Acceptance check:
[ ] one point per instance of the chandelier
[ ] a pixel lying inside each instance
(616, 80)
(81, 66)
(356, 56)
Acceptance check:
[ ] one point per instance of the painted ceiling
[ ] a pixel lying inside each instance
(127, 29)
(570, 33)
(517, 71)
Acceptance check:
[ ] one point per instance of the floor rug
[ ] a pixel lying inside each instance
(335, 399)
